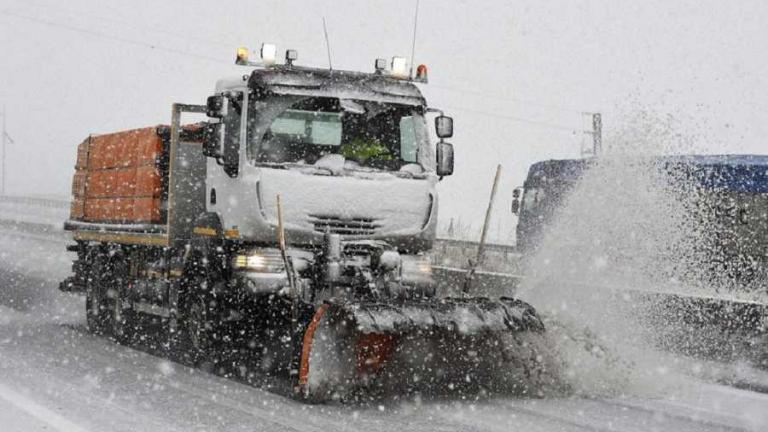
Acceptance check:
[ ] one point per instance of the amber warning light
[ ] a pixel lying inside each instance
(242, 56)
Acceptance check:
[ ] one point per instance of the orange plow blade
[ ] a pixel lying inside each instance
(450, 345)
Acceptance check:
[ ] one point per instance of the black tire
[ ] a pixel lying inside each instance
(197, 334)
(115, 280)
(96, 315)
(121, 321)
(96, 310)
(198, 330)
(105, 292)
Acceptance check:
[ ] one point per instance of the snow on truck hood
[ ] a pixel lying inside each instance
(354, 206)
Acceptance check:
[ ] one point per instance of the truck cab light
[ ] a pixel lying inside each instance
(261, 261)
(399, 67)
(268, 54)
(291, 56)
(380, 65)
(242, 56)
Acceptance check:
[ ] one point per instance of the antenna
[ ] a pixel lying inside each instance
(413, 45)
(327, 45)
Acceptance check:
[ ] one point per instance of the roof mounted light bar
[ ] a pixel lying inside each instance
(399, 70)
(268, 54)
(398, 66)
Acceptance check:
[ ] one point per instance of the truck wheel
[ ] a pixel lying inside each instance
(196, 322)
(120, 321)
(197, 330)
(96, 315)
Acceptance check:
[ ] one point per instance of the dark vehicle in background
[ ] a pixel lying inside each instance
(727, 196)
(545, 188)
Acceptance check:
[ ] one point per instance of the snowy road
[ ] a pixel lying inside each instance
(56, 376)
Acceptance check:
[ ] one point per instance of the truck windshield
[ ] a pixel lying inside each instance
(367, 133)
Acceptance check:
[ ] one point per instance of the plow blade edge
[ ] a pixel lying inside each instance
(451, 344)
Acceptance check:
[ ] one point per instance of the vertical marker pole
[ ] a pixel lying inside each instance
(481, 247)
(294, 338)
(5, 134)
(597, 134)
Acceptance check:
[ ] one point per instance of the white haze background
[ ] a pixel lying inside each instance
(72, 68)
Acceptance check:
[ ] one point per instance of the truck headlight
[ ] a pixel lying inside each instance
(259, 260)
(417, 265)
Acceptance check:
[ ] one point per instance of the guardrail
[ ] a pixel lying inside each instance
(443, 242)
(456, 252)
(40, 202)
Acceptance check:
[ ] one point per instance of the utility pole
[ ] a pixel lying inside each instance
(5, 134)
(6, 140)
(597, 134)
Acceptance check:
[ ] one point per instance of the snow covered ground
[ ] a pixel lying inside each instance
(33, 213)
(56, 376)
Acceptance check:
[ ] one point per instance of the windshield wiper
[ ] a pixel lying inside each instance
(271, 164)
(289, 165)
(328, 171)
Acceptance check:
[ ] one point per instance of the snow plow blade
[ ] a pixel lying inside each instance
(445, 345)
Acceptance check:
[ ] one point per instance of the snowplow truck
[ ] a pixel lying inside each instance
(295, 220)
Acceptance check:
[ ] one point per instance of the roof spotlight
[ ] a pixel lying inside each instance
(242, 56)
(290, 56)
(380, 65)
(268, 54)
(399, 67)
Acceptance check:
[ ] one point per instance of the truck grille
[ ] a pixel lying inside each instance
(344, 226)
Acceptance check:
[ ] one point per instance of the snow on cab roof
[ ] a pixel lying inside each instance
(336, 83)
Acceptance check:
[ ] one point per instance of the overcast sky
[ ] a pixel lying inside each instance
(516, 75)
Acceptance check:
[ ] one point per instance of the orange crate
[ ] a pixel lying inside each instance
(82, 154)
(113, 150)
(146, 209)
(97, 209)
(77, 208)
(101, 153)
(124, 182)
(122, 210)
(147, 182)
(114, 183)
(78, 183)
(117, 178)
(149, 145)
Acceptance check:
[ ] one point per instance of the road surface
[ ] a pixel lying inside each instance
(56, 376)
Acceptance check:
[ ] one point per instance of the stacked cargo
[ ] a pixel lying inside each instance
(119, 177)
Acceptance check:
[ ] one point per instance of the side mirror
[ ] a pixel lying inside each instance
(516, 200)
(444, 126)
(213, 136)
(444, 159)
(216, 106)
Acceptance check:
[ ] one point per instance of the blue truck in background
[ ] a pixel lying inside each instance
(731, 197)
(727, 196)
